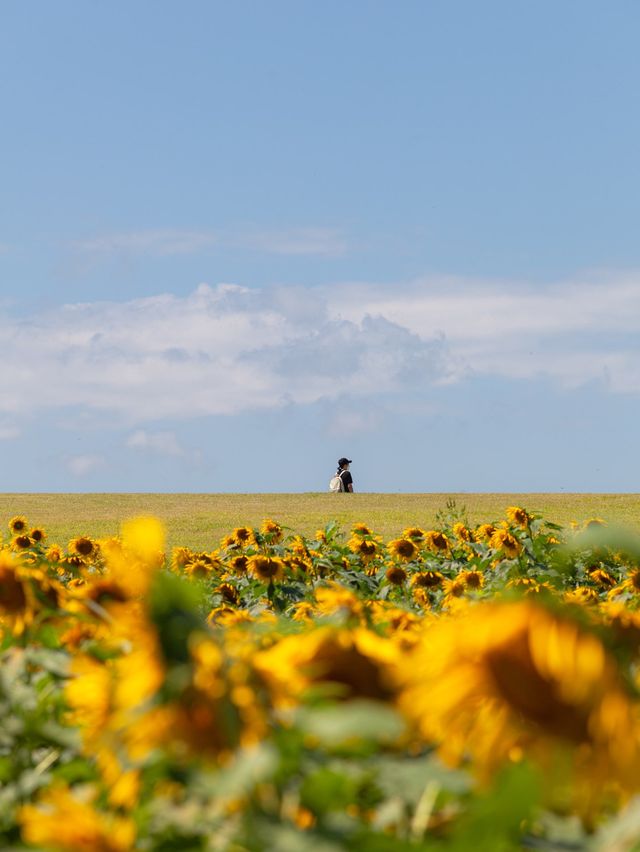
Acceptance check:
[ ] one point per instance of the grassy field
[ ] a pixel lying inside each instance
(200, 520)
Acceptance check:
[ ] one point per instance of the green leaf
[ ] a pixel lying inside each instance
(493, 822)
(615, 538)
(408, 777)
(55, 662)
(327, 789)
(353, 720)
(250, 767)
(76, 770)
(267, 837)
(174, 605)
(48, 636)
(60, 734)
(6, 769)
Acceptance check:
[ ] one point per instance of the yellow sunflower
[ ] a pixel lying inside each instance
(365, 548)
(403, 548)
(396, 575)
(421, 597)
(296, 563)
(18, 525)
(243, 536)
(529, 586)
(336, 599)
(266, 568)
(134, 560)
(272, 530)
(181, 556)
(350, 663)
(414, 533)
(472, 579)
(427, 579)
(49, 594)
(602, 578)
(199, 568)
(518, 516)
(581, 595)
(507, 543)
(229, 593)
(38, 535)
(302, 611)
(299, 547)
(453, 588)
(392, 618)
(17, 601)
(83, 546)
(436, 541)
(227, 616)
(505, 679)
(67, 821)
(633, 581)
(103, 590)
(238, 564)
(78, 633)
(484, 532)
(624, 623)
(461, 532)
(89, 694)
(53, 553)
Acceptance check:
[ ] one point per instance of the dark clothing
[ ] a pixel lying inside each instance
(346, 478)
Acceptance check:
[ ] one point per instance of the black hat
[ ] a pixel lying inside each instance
(344, 461)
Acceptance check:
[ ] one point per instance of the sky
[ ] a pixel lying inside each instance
(241, 240)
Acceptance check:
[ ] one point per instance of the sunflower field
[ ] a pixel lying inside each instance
(454, 688)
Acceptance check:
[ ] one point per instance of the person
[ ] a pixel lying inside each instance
(345, 475)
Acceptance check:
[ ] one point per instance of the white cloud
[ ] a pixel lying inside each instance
(84, 464)
(318, 241)
(159, 242)
(163, 242)
(218, 351)
(573, 331)
(229, 349)
(163, 443)
(475, 309)
(8, 432)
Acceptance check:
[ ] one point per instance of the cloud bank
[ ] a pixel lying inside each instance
(221, 350)
(164, 242)
(83, 465)
(572, 332)
(8, 432)
(164, 442)
(229, 349)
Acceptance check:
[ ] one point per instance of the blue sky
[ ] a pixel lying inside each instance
(239, 240)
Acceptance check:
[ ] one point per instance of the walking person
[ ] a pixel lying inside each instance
(345, 475)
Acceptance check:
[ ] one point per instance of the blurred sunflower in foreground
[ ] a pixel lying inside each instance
(501, 680)
(207, 696)
(67, 821)
(345, 663)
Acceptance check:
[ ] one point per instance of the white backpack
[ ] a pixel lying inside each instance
(336, 483)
